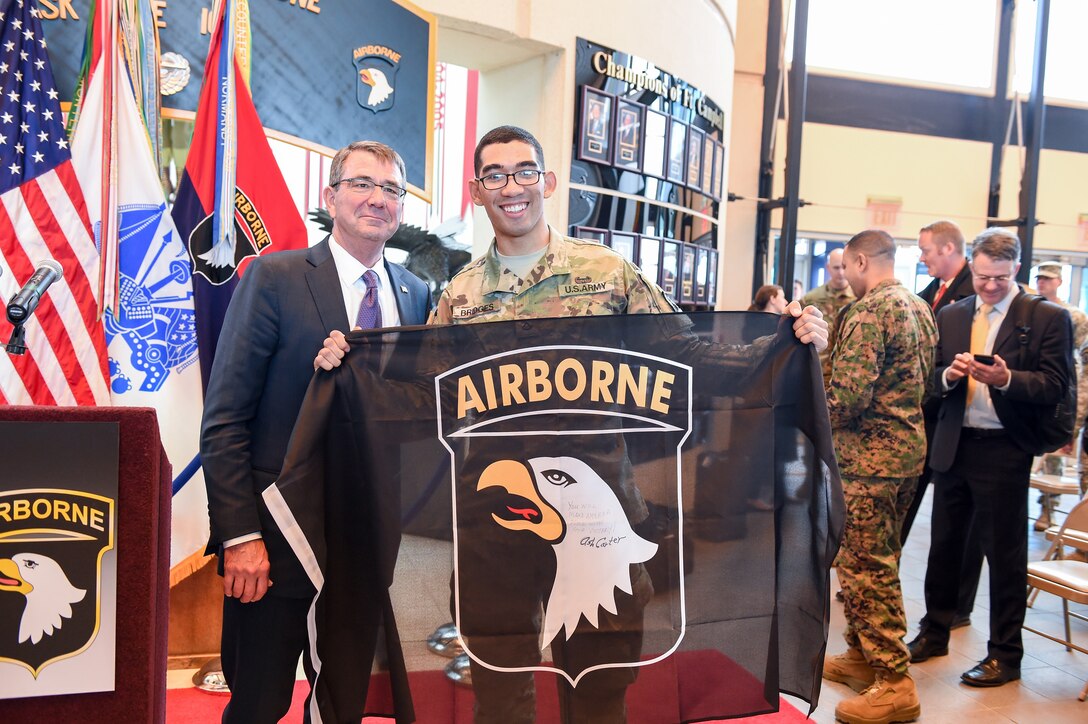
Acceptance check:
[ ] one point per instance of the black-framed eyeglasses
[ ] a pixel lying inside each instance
(524, 177)
(363, 186)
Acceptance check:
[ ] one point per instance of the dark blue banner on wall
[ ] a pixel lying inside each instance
(328, 72)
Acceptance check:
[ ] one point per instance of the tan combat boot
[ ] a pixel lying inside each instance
(891, 698)
(851, 669)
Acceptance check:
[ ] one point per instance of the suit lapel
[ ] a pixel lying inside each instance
(1016, 316)
(403, 294)
(324, 287)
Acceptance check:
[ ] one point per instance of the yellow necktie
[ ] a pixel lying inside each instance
(980, 330)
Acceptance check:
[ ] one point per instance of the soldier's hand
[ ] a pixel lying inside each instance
(332, 352)
(809, 325)
(995, 375)
(959, 368)
(245, 571)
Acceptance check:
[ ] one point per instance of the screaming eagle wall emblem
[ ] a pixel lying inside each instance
(376, 76)
(51, 547)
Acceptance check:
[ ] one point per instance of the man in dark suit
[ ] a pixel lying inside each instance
(943, 253)
(283, 308)
(984, 444)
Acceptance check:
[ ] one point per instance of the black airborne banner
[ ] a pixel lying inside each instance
(628, 518)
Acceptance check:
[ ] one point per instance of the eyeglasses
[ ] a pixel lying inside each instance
(524, 177)
(363, 186)
(1003, 279)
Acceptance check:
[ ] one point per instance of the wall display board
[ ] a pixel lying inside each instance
(648, 162)
(670, 266)
(626, 244)
(629, 130)
(687, 273)
(327, 73)
(591, 234)
(649, 258)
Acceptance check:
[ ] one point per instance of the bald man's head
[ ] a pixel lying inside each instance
(836, 270)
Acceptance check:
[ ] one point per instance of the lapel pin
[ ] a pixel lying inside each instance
(403, 289)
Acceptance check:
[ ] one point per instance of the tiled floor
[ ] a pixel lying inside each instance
(1052, 677)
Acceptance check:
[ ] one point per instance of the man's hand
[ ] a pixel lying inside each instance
(809, 326)
(245, 571)
(332, 352)
(995, 375)
(960, 367)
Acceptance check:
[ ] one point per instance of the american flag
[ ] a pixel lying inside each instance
(43, 216)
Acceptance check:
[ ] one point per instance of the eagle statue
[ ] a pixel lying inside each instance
(380, 89)
(49, 594)
(565, 502)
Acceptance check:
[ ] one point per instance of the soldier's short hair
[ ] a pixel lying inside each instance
(380, 150)
(506, 134)
(945, 231)
(873, 243)
(997, 243)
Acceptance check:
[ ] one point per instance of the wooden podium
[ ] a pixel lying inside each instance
(143, 562)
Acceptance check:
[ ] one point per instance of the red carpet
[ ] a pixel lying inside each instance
(192, 706)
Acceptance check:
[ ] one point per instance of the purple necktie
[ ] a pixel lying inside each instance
(370, 312)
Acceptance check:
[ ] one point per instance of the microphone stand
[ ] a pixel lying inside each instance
(17, 343)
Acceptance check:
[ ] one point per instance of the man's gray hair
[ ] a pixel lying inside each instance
(997, 243)
(374, 148)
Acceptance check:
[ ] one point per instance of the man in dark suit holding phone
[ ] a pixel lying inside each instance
(984, 444)
(943, 252)
(284, 306)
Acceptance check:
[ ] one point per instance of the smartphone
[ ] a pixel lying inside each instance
(984, 359)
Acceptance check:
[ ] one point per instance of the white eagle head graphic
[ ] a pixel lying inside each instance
(566, 503)
(49, 594)
(379, 85)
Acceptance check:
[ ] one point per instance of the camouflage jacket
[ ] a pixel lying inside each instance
(830, 302)
(574, 278)
(882, 369)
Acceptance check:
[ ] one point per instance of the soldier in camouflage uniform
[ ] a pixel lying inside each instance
(1048, 279)
(881, 371)
(531, 270)
(831, 298)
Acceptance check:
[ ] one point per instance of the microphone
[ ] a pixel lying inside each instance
(25, 301)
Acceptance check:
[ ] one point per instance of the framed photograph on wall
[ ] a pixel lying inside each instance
(626, 244)
(678, 146)
(670, 267)
(687, 274)
(702, 264)
(709, 167)
(627, 145)
(655, 143)
(694, 178)
(719, 173)
(712, 279)
(595, 134)
(591, 234)
(649, 258)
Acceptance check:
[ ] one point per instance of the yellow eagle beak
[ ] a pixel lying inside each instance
(10, 580)
(537, 516)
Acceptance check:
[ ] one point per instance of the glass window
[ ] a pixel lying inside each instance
(933, 41)
(1066, 51)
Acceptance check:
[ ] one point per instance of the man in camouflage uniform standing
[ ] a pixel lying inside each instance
(830, 298)
(1048, 279)
(881, 371)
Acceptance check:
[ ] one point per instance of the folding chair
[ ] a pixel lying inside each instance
(1067, 579)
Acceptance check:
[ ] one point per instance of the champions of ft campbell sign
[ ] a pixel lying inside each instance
(545, 507)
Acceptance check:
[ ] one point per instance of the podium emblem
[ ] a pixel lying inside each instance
(51, 547)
